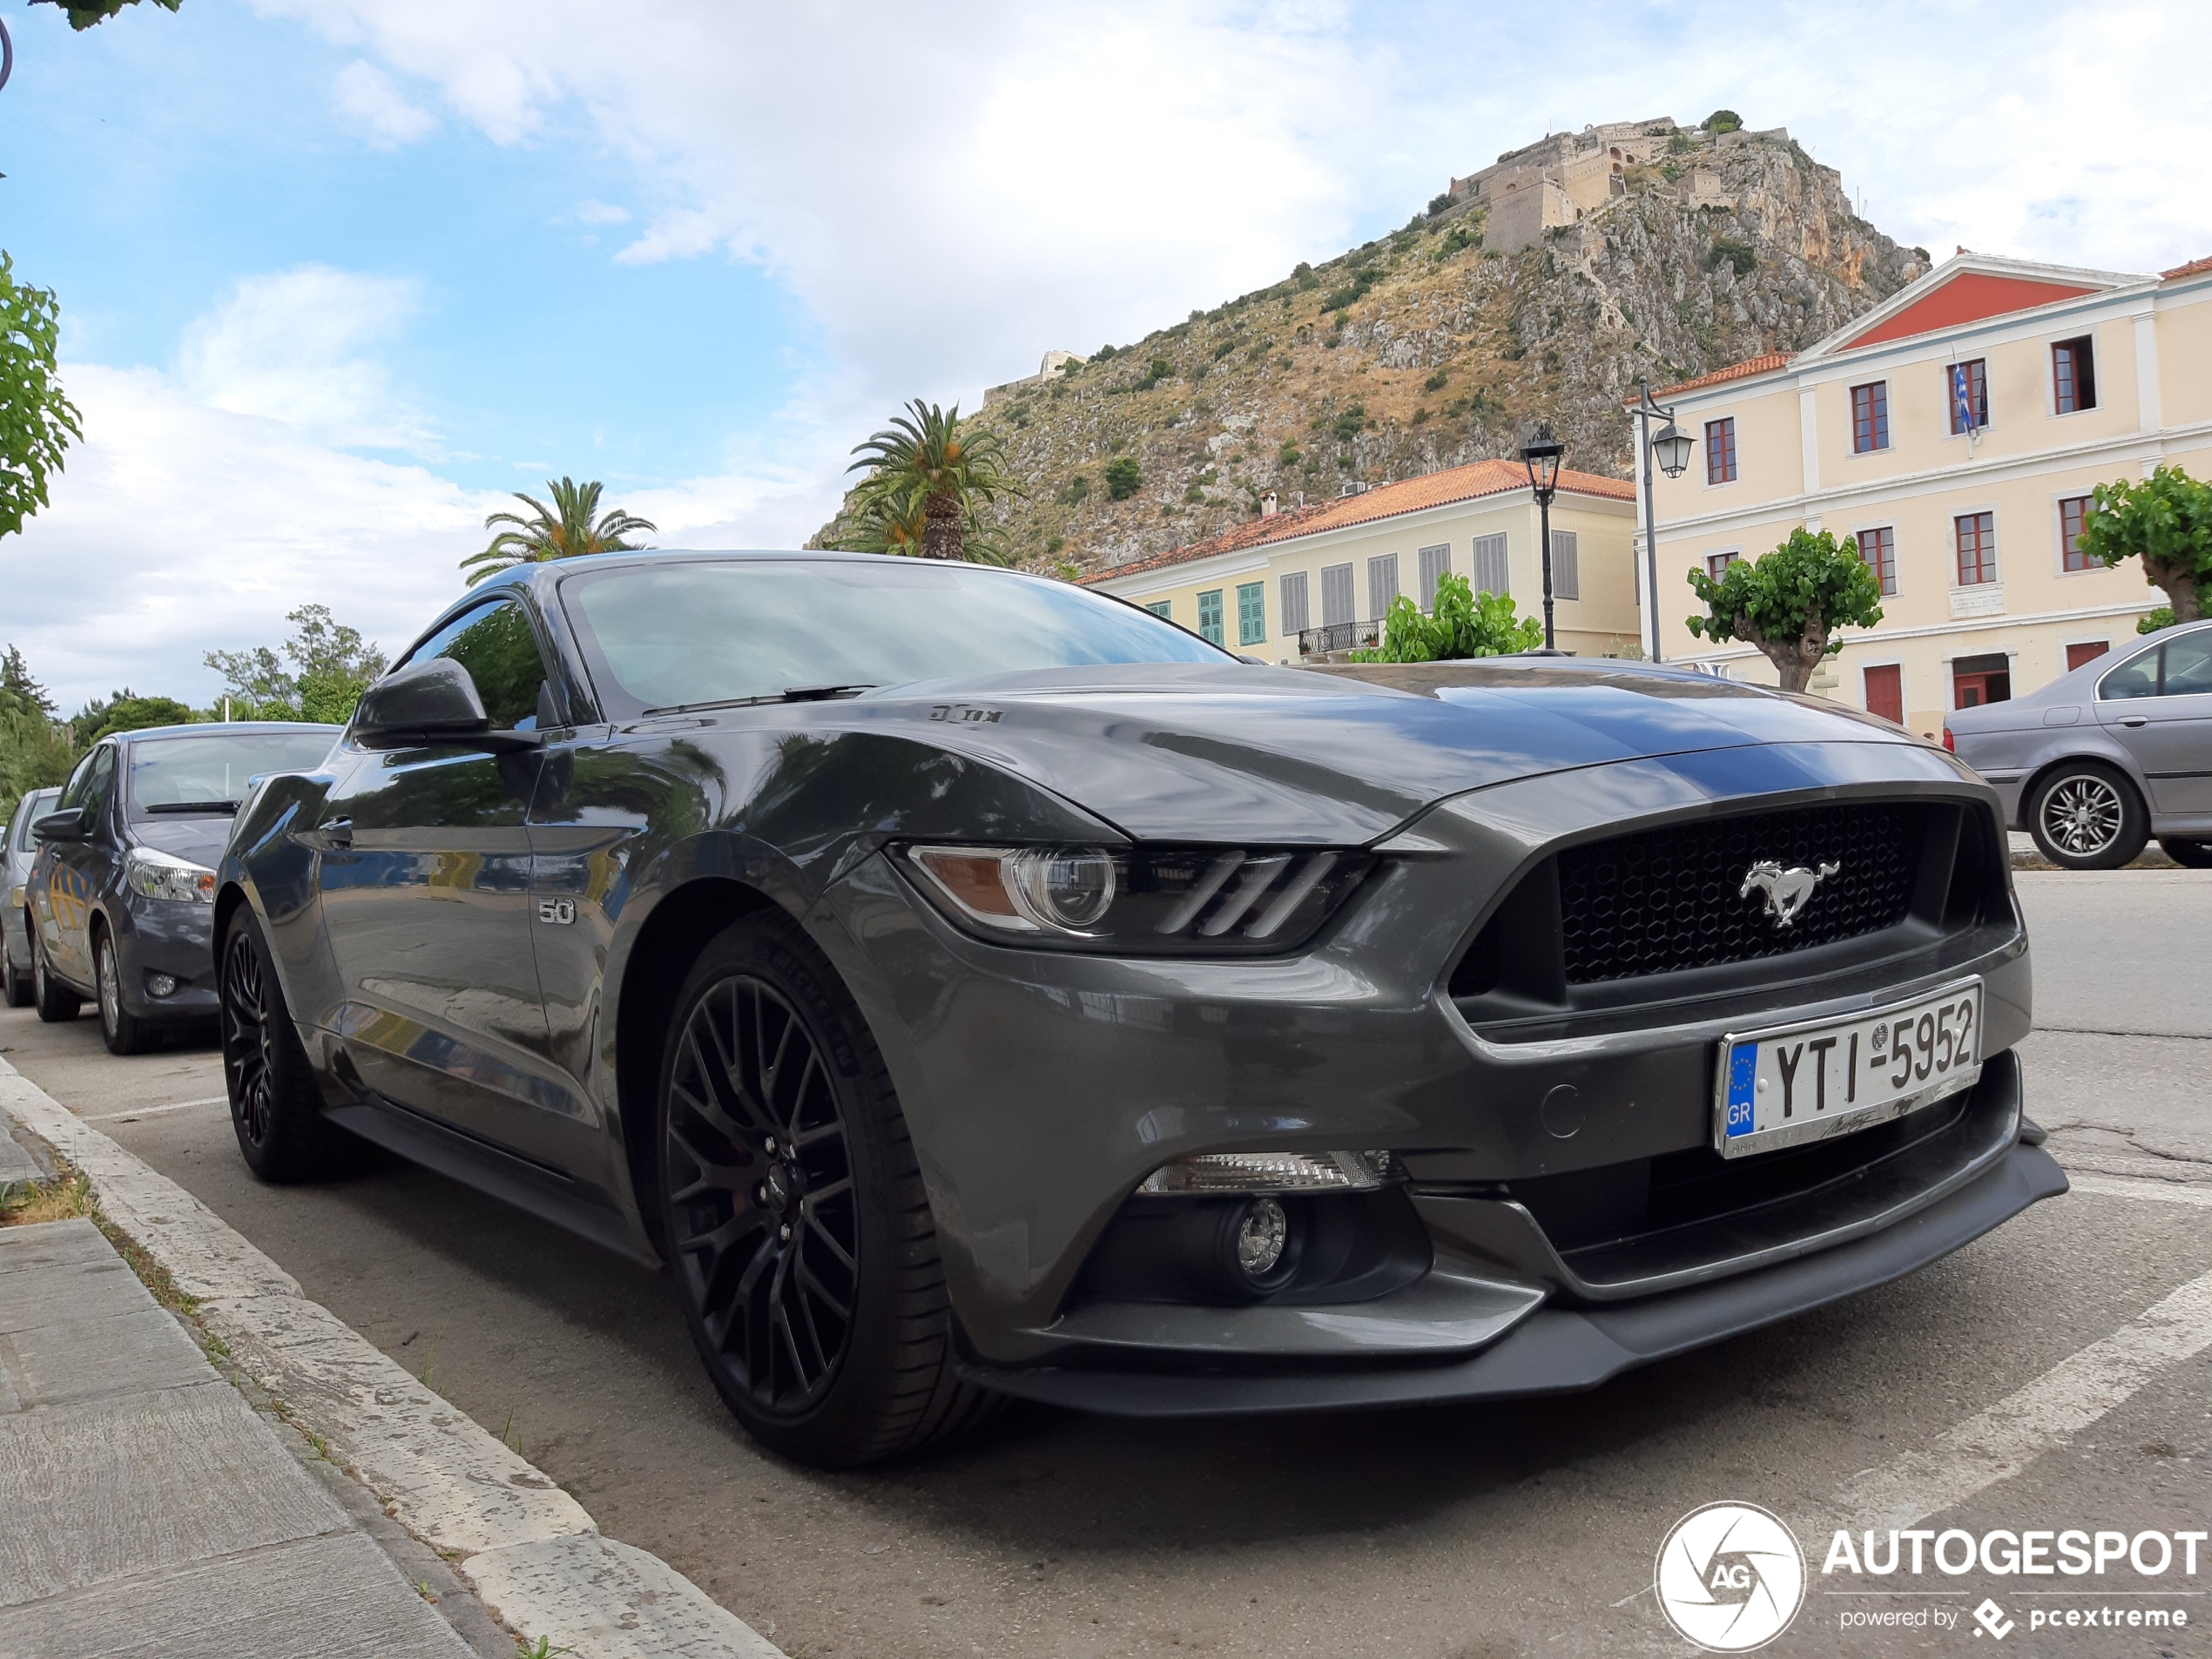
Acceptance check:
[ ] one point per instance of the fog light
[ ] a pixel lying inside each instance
(160, 984)
(1260, 1237)
(1270, 1172)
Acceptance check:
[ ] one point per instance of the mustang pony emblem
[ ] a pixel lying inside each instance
(1787, 891)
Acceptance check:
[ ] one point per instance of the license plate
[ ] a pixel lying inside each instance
(1823, 1077)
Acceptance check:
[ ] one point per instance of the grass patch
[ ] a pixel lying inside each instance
(25, 1203)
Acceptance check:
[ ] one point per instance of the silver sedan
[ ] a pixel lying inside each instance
(17, 850)
(2101, 759)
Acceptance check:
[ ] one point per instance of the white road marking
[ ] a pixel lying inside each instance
(2117, 1186)
(1997, 1444)
(151, 1112)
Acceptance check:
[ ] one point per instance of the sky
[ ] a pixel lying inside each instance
(337, 275)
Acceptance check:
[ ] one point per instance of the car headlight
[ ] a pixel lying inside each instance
(158, 876)
(1162, 903)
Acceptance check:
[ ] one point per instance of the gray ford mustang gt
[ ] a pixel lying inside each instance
(970, 986)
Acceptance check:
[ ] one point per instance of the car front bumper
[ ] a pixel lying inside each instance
(161, 936)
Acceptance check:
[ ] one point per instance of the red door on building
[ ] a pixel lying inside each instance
(1977, 680)
(1886, 691)
(2089, 653)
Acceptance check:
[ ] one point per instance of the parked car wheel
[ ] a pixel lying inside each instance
(275, 1105)
(14, 977)
(793, 1211)
(2086, 815)
(2194, 851)
(122, 1031)
(55, 1001)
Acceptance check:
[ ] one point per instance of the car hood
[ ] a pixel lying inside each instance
(1240, 753)
(199, 840)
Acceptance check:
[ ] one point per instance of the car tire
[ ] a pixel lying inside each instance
(276, 1107)
(2086, 815)
(122, 1031)
(2194, 850)
(15, 982)
(792, 1206)
(55, 1001)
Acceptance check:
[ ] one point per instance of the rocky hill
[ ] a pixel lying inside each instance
(1645, 249)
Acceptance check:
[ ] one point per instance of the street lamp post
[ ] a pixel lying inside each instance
(1672, 447)
(1542, 455)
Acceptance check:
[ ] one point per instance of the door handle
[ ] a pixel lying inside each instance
(2136, 720)
(338, 834)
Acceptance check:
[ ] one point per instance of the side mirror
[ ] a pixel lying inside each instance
(59, 826)
(433, 701)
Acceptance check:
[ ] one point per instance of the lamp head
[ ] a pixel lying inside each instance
(1540, 455)
(1670, 447)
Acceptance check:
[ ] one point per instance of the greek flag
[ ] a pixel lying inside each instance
(1962, 400)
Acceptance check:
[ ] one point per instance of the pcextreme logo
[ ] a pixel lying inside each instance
(1730, 1577)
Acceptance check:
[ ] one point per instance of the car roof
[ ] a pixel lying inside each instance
(222, 729)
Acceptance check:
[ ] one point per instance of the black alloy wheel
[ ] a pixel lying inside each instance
(122, 1031)
(275, 1105)
(56, 1002)
(2086, 815)
(2194, 850)
(792, 1212)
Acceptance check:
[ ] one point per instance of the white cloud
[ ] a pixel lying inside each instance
(593, 213)
(295, 346)
(178, 528)
(366, 97)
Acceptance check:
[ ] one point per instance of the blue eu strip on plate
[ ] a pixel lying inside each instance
(1742, 1081)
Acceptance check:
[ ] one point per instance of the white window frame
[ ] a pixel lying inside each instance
(1851, 419)
(1705, 559)
(2058, 527)
(1986, 427)
(1705, 442)
(1951, 516)
(1897, 539)
(2085, 331)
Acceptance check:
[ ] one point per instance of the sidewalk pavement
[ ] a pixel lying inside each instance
(148, 1508)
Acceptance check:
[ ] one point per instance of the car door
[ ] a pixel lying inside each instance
(2170, 730)
(75, 873)
(423, 873)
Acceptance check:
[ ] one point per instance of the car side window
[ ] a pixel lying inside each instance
(94, 779)
(2137, 678)
(72, 793)
(2188, 666)
(495, 644)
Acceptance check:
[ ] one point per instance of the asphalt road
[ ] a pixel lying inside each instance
(1465, 1533)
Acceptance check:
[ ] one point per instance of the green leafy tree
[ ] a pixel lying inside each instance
(2166, 521)
(330, 666)
(1123, 478)
(923, 466)
(36, 751)
(125, 710)
(18, 684)
(1461, 624)
(36, 421)
(1789, 601)
(570, 527)
(83, 13)
(1724, 121)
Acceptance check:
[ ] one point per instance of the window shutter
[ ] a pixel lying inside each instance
(1491, 575)
(1382, 585)
(1436, 565)
(1294, 605)
(1336, 595)
(1567, 575)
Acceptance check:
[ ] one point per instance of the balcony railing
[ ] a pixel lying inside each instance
(1338, 636)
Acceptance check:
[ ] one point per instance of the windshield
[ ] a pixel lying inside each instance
(182, 777)
(672, 636)
(34, 807)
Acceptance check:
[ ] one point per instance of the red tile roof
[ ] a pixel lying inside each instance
(2195, 267)
(1385, 500)
(1765, 363)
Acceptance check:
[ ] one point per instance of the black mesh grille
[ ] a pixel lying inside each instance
(1674, 898)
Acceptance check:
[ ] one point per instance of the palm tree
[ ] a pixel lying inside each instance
(565, 530)
(923, 471)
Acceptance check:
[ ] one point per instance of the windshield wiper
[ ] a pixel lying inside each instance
(789, 694)
(228, 808)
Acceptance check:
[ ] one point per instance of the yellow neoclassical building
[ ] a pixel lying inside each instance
(1955, 434)
(1314, 579)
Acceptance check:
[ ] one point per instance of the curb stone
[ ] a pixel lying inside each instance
(528, 1549)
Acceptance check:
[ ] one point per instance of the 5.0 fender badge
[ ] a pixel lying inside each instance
(560, 912)
(1787, 891)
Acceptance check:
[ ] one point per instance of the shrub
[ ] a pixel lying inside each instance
(1347, 426)
(1438, 203)
(1724, 121)
(1194, 491)
(1123, 478)
(1160, 369)
(1103, 354)
(1420, 417)
(1054, 543)
(1224, 349)
(1077, 487)
(1464, 623)
(1728, 251)
(1288, 455)
(1435, 383)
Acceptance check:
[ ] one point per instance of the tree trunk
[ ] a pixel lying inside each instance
(1795, 660)
(941, 528)
(2178, 579)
